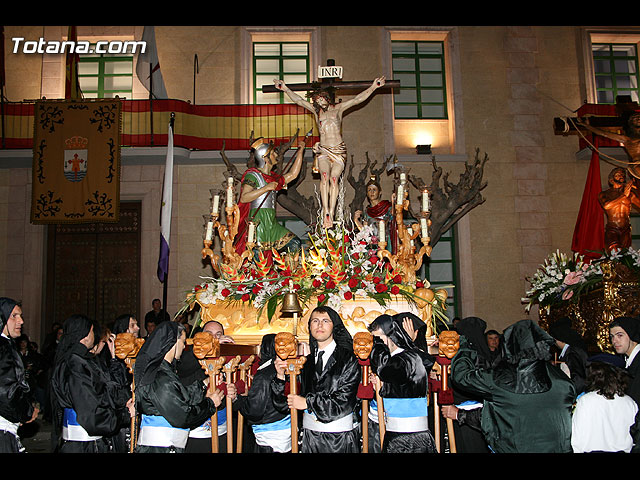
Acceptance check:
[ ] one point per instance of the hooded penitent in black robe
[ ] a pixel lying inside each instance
(16, 399)
(527, 400)
(88, 405)
(574, 355)
(467, 429)
(420, 341)
(331, 396)
(166, 405)
(404, 375)
(271, 425)
(119, 374)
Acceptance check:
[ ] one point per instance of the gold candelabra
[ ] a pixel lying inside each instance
(406, 259)
(227, 233)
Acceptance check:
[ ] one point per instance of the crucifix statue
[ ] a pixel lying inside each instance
(331, 151)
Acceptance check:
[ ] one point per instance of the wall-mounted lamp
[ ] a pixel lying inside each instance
(423, 149)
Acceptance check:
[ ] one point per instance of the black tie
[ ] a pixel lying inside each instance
(319, 363)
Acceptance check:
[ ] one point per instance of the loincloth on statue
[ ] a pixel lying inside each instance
(337, 153)
(617, 236)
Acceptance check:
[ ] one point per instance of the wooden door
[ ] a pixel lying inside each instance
(94, 268)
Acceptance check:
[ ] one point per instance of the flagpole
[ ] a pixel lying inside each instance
(165, 216)
(164, 285)
(151, 102)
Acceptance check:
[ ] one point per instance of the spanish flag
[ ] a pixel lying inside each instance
(72, 85)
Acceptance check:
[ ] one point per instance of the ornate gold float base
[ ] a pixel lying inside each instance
(594, 311)
(241, 321)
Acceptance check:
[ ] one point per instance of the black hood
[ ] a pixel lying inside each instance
(152, 352)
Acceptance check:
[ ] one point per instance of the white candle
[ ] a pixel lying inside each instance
(381, 233)
(209, 235)
(425, 200)
(252, 232)
(403, 178)
(410, 229)
(423, 227)
(230, 193)
(400, 197)
(216, 205)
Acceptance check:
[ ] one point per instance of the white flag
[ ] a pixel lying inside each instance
(165, 213)
(148, 66)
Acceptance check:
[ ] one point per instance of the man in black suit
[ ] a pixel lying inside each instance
(625, 338)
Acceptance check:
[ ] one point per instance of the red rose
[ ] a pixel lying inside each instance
(246, 297)
(321, 298)
(348, 295)
(197, 288)
(296, 286)
(395, 290)
(355, 256)
(376, 279)
(225, 292)
(331, 284)
(353, 283)
(419, 284)
(324, 275)
(255, 290)
(357, 270)
(316, 282)
(381, 287)
(373, 259)
(397, 279)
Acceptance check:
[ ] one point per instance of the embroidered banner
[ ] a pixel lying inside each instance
(76, 162)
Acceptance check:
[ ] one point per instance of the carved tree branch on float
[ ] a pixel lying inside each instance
(452, 202)
(359, 184)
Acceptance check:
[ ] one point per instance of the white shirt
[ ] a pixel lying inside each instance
(600, 424)
(634, 352)
(328, 351)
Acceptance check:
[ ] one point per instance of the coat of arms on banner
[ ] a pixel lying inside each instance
(75, 158)
(76, 161)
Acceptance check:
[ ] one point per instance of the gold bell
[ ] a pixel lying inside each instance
(290, 303)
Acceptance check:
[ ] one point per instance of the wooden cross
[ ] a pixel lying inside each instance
(331, 84)
(624, 107)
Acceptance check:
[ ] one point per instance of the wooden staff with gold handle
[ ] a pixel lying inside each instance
(229, 372)
(448, 345)
(206, 348)
(127, 346)
(362, 346)
(286, 347)
(243, 368)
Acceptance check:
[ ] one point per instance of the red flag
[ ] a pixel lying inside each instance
(72, 84)
(588, 235)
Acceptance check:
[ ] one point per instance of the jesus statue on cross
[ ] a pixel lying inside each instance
(330, 151)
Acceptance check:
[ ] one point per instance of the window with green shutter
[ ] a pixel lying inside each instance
(440, 269)
(616, 71)
(288, 61)
(105, 76)
(420, 67)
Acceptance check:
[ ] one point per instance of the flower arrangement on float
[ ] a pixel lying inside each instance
(563, 278)
(339, 266)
